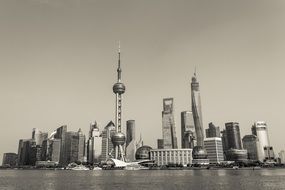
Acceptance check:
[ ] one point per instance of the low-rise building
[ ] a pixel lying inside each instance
(171, 156)
(9, 159)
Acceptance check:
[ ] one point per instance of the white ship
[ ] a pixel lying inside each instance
(79, 168)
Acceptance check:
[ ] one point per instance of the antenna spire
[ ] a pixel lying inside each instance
(119, 70)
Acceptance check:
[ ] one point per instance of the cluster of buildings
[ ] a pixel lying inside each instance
(63, 147)
(219, 146)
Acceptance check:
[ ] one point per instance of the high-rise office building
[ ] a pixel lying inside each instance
(107, 146)
(39, 136)
(188, 134)
(259, 129)
(213, 131)
(26, 152)
(71, 146)
(119, 138)
(74, 146)
(61, 134)
(269, 154)
(51, 149)
(159, 143)
(282, 156)
(94, 144)
(131, 141)
(197, 111)
(139, 143)
(233, 147)
(81, 146)
(168, 124)
(214, 148)
(233, 135)
(251, 144)
(199, 152)
(54, 150)
(9, 159)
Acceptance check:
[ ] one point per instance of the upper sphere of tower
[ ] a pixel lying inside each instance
(119, 88)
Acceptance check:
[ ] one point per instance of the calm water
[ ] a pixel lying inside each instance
(153, 179)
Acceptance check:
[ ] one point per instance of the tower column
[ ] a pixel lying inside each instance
(118, 139)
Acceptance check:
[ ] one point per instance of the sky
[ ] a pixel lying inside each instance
(58, 62)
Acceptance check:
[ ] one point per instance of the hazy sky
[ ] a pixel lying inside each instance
(58, 62)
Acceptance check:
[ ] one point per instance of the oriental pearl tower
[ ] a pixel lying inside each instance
(118, 139)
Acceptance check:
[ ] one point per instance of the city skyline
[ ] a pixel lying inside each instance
(58, 70)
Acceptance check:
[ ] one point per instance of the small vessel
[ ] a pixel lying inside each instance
(235, 167)
(79, 168)
(97, 168)
(135, 167)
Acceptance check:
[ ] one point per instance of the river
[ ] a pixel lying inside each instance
(264, 179)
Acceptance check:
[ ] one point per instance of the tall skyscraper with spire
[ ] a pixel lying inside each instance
(197, 110)
(118, 139)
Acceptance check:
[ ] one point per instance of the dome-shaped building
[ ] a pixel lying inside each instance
(143, 153)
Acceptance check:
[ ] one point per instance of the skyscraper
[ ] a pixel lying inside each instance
(81, 146)
(213, 131)
(214, 149)
(118, 139)
(197, 111)
(168, 125)
(131, 141)
(232, 140)
(188, 134)
(54, 150)
(107, 146)
(74, 146)
(71, 145)
(282, 156)
(61, 134)
(233, 135)
(26, 152)
(259, 129)
(139, 143)
(39, 136)
(94, 144)
(159, 143)
(251, 144)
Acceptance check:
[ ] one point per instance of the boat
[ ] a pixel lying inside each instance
(97, 168)
(135, 167)
(79, 168)
(235, 167)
